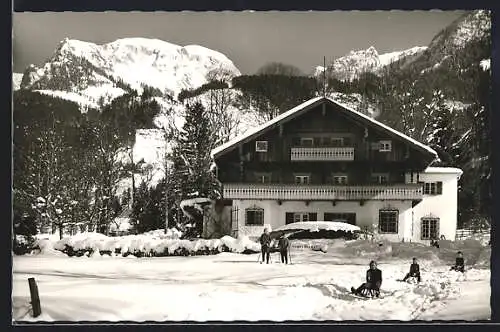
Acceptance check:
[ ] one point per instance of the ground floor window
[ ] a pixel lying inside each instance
(388, 221)
(254, 217)
(430, 228)
(300, 216)
(347, 217)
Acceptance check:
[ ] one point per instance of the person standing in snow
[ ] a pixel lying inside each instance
(373, 281)
(283, 245)
(265, 243)
(459, 263)
(414, 271)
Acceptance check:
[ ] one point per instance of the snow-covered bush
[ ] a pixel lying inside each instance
(23, 244)
(144, 245)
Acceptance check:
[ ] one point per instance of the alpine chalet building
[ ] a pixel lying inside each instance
(322, 161)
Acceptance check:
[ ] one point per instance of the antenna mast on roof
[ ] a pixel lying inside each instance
(324, 76)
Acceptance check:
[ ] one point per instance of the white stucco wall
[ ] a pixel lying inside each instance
(444, 206)
(366, 215)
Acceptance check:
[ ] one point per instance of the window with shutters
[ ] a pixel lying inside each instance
(302, 179)
(433, 188)
(380, 178)
(388, 221)
(430, 228)
(385, 146)
(254, 216)
(339, 179)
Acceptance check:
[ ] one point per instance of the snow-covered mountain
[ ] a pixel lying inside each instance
(466, 32)
(16, 81)
(356, 62)
(89, 73)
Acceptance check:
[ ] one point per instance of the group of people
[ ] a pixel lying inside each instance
(265, 244)
(374, 276)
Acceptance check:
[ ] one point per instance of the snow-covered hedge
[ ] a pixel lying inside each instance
(144, 245)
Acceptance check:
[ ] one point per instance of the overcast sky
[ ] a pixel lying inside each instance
(249, 39)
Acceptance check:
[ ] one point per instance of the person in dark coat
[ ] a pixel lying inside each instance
(373, 281)
(414, 271)
(459, 263)
(283, 245)
(265, 243)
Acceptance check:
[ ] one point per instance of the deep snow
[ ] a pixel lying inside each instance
(232, 286)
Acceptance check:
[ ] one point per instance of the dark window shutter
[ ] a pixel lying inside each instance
(439, 188)
(289, 218)
(313, 216)
(249, 219)
(317, 141)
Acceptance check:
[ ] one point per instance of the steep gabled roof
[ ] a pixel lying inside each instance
(250, 134)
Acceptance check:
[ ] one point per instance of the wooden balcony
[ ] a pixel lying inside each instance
(322, 154)
(322, 192)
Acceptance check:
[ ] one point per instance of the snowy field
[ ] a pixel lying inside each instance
(232, 286)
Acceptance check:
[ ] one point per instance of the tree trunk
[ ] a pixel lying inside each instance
(131, 202)
(61, 228)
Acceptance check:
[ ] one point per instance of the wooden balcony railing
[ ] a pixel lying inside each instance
(322, 154)
(322, 192)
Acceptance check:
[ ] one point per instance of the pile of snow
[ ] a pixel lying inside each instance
(240, 244)
(172, 233)
(16, 81)
(316, 226)
(485, 64)
(46, 247)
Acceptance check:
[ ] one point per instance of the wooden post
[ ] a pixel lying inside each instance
(35, 298)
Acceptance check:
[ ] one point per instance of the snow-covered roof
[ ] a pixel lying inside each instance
(444, 170)
(315, 226)
(282, 117)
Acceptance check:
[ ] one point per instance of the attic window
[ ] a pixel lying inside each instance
(385, 146)
(261, 146)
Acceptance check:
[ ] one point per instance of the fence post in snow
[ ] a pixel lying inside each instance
(35, 298)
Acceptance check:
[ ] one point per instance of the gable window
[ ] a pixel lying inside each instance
(340, 179)
(291, 217)
(306, 142)
(380, 178)
(302, 179)
(254, 216)
(433, 188)
(261, 146)
(388, 221)
(385, 146)
(263, 177)
(430, 228)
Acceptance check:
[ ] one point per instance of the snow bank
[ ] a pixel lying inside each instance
(240, 244)
(154, 243)
(316, 226)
